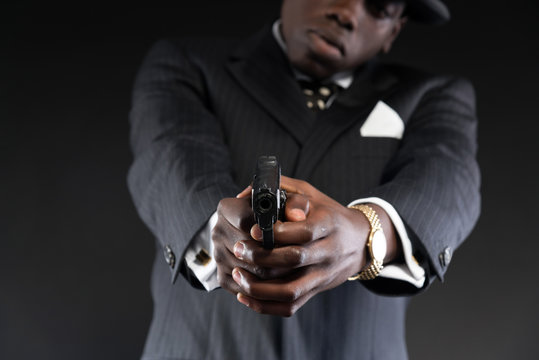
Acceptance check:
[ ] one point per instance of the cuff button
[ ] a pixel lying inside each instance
(170, 258)
(445, 256)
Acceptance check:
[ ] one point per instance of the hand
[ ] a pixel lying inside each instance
(235, 221)
(318, 250)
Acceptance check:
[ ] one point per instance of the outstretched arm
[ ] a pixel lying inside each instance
(181, 166)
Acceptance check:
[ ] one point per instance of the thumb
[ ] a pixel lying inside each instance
(245, 192)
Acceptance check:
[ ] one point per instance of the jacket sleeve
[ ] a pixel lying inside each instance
(433, 181)
(181, 167)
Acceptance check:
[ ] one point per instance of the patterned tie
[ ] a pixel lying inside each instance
(318, 94)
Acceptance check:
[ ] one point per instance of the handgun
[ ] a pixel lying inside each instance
(268, 200)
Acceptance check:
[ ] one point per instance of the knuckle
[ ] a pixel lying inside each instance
(296, 256)
(260, 272)
(306, 186)
(217, 232)
(290, 310)
(332, 216)
(258, 308)
(290, 294)
(258, 258)
(252, 254)
(273, 273)
(223, 205)
(215, 235)
(220, 206)
(221, 279)
(247, 288)
(309, 231)
(303, 184)
(218, 256)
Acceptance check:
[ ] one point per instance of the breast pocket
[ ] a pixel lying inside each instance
(369, 157)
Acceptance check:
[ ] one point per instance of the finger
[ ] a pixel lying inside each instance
(245, 192)
(287, 289)
(317, 226)
(297, 207)
(292, 214)
(256, 232)
(237, 212)
(290, 257)
(227, 283)
(226, 261)
(226, 234)
(276, 273)
(294, 185)
(273, 307)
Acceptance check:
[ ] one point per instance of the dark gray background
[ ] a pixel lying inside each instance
(74, 257)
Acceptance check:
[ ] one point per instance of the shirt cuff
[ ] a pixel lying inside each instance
(205, 272)
(409, 271)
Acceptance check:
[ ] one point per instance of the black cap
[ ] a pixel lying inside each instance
(427, 11)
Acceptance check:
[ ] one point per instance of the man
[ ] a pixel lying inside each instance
(382, 184)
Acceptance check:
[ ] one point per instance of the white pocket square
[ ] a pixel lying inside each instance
(383, 121)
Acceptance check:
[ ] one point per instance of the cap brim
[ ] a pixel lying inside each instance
(432, 12)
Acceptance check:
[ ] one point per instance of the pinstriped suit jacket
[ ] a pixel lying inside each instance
(204, 110)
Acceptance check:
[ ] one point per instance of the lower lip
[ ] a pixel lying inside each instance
(322, 47)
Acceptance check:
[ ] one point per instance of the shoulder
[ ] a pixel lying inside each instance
(426, 82)
(414, 93)
(415, 87)
(185, 60)
(197, 49)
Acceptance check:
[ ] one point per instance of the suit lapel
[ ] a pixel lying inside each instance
(351, 107)
(263, 70)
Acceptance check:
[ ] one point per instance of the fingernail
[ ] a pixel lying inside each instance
(236, 275)
(256, 233)
(239, 248)
(242, 299)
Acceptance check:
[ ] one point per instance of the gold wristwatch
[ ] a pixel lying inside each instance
(376, 244)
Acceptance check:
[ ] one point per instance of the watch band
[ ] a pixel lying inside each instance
(372, 270)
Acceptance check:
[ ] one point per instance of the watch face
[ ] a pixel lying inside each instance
(378, 245)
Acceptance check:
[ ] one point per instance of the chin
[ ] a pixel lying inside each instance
(319, 70)
(313, 67)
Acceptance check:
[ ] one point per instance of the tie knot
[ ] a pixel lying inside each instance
(317, 94)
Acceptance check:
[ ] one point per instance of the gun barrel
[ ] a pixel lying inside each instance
(266, 197)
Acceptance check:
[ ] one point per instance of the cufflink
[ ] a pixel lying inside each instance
(203, 257)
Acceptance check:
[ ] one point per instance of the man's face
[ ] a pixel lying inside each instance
(324, 37)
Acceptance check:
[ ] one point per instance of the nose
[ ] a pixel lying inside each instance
(345, 13)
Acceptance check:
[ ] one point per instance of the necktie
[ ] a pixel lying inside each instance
(317, 94)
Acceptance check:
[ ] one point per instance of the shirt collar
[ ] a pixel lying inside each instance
(343, 79)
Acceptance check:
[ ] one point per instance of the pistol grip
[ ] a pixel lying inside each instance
(268, 241)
